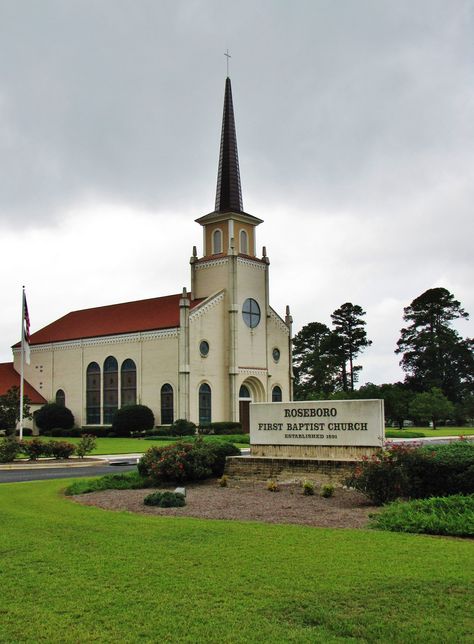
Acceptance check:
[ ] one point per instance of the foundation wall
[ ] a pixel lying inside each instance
(342, 453)
(319, 471)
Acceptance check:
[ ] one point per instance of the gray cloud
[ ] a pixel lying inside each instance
(354, 122)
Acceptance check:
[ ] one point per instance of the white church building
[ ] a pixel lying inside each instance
(202, 354)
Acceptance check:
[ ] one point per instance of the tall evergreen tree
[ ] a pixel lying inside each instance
(351, 340)
(315, 365)
(433, 353)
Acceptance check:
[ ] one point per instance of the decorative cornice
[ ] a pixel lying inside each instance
(206, 306)
(209, 263)
(103, 340)
(256, 263)
(279, 321)
(253, 371)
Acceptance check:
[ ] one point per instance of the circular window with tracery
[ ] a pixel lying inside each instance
(251, 313)
(204, 348)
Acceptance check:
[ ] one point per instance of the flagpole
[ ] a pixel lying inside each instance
(22, 359)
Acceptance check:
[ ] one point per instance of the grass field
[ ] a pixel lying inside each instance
(78, 574)
(427, 432)
(119, 445)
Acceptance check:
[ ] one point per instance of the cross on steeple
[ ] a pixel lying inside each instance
(227, 56)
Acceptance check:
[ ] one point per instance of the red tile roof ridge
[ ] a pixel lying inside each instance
(156, 313)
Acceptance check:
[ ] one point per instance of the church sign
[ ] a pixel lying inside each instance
(333, 423)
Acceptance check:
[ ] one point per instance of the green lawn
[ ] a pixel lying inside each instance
(119, 445)
(71, 573)
(427, 432)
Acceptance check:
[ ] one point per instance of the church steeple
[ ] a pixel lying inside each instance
(228, 193)
(228, 230)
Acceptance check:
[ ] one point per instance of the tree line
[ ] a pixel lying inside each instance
(438, 362)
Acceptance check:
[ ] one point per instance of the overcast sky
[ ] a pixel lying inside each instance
(355, 128)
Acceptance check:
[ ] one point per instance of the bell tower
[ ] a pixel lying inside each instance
(228, 229)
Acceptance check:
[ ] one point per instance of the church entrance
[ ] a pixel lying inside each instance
(244, 408)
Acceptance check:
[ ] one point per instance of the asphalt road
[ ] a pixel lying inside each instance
(41, 474)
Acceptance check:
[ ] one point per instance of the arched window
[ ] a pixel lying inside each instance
(244, 242)
(110, 389)
(204, 404)
(167, 411)
(61, 398)
(244, 392)
(276, 394)
(93, 394)
(217, 242)
(128, 383)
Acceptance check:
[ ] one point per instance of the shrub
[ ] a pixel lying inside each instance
(127, 481)
(308, 488)
(9, 449)
(27, 431)
(327, 491)
(165, 499)
(132, 418)
(225, 428)
(404, 472)
(223, 481)
(60, 449)
(163, 430)
(220, 451)
(451, 516)
(272, 486)
(185, 461)
(182, 427)
(85, 445)
(34, 449)
(52, 416)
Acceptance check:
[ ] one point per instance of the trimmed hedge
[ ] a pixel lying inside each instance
(221, 428)
(165, 499)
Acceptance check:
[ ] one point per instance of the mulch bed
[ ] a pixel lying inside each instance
(247, 501)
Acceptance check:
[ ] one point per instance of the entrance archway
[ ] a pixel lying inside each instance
(251, 390)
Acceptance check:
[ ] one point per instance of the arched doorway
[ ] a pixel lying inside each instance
(251, 390)
(245, 399)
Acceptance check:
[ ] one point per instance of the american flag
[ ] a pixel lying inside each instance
(26, 330)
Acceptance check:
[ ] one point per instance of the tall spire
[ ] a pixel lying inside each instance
(228, 193)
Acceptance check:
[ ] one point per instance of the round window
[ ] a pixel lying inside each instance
(204, 347)
(276, 354)
(251, 313)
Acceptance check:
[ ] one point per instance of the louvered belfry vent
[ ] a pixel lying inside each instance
(228, 193)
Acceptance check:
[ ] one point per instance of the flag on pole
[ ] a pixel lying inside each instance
(26, 330)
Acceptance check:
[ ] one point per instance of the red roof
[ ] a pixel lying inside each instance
(11, 378)
(115, 319)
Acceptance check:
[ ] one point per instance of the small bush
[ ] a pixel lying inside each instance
(52, 416)
(272, 486)
(132, 418)
(223, 481)
(327, 491)
(163, 430)
(308, 488)
(182, 427)
(34, 449)
(450, 516)
(60, 449)
(185, 461)
(86, 445)
(127, 481)
(9, 449)
(27, 431)
(165, 499)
